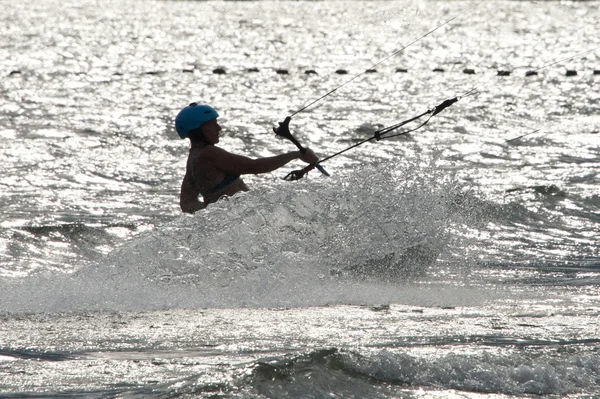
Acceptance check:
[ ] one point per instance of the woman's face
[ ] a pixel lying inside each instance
(211, 131)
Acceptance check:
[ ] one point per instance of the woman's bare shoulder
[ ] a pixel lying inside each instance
(213, 150)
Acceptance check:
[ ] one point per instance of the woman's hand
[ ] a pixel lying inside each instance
(309, 156)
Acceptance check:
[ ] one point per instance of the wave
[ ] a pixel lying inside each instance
(373, 373)
(382, 374)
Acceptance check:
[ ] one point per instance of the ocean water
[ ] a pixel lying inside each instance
(461, 260)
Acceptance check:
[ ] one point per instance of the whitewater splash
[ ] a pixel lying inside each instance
(486, 372)
(351, 239)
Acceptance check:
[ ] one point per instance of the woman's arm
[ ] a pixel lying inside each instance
(241, 165)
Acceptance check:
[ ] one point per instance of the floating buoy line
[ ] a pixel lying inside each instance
(278, 71)
(467, 71)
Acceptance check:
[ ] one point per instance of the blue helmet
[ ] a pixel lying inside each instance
(192, 117)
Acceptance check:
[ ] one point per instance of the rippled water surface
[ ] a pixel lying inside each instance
(459, 260)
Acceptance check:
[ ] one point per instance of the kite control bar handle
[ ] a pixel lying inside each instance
(284, 131)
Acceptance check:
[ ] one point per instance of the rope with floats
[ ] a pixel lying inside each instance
(283, 128)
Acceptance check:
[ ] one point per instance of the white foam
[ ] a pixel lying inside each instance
(512, 374)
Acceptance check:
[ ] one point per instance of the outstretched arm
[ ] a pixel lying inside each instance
(241, 165)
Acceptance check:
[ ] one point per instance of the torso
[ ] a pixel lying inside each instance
(201, 178)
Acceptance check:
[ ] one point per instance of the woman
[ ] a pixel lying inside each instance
(211, 171)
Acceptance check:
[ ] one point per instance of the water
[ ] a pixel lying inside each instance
(450, 262)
